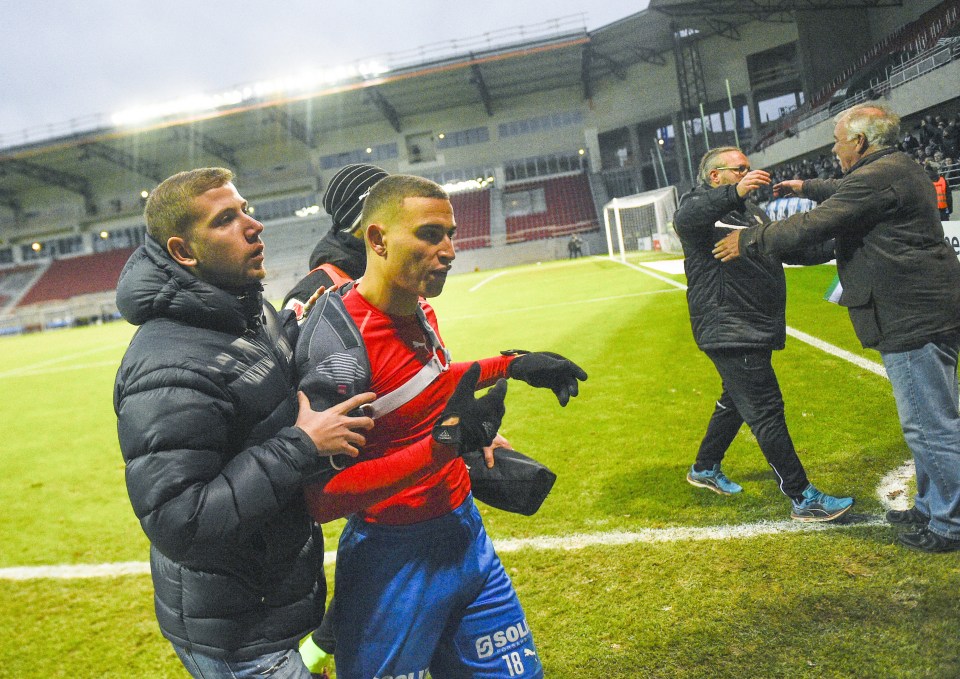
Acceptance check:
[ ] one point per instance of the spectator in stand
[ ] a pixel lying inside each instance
(910, 143)
(944, 194)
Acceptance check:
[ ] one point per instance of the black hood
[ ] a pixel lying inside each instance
(342, 250)
(152, 285)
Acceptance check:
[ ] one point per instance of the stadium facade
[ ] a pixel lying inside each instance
(534, 130)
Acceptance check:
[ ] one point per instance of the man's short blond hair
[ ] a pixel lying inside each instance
(170, 210)
(711, 160)
(387, 196)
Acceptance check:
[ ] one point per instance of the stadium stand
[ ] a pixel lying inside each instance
(472, 210)
(549, 208)
(83, 275)
(14, 283)
(551, 122)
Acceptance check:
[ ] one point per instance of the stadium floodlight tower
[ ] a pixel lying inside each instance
(642, 221)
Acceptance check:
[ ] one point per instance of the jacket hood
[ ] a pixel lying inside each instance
(152, 285)
(342, 250)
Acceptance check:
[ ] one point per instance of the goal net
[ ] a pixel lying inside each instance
(641, 222)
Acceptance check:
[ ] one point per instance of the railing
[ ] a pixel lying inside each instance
(392, 61)
(912, 69)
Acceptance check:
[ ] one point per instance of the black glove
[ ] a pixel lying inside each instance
(547, 369)
(479, 418)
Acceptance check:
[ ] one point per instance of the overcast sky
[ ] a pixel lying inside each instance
(68, 59)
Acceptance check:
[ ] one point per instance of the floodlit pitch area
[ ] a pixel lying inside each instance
(627, 571)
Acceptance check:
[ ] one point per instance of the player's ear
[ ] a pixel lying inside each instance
(376, 240)
(181, 252)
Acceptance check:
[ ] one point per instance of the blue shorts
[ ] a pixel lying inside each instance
(428, 596)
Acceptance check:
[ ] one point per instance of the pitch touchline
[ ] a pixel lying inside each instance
(825, 347)
(891, 492)
(559, 542)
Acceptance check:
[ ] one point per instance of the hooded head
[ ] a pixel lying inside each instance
(346, 192)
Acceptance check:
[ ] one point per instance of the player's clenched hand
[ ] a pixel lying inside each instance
(728, 248)
(334, 431)
(468, 422)
(550, 370)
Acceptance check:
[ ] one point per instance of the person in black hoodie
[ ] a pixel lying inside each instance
(217, 441)
(738, 317)
(340, 252)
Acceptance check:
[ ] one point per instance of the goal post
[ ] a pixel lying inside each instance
(642, 221)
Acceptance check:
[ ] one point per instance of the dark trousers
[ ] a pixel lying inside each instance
(751, 394)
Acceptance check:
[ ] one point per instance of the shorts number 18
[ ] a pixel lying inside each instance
(514, 664)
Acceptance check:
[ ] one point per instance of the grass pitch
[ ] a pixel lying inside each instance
(839, 602)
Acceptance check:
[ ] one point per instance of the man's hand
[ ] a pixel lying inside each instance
(791, 187)
(467, 422)
(729, 247)
(752, 181)
(550, 370)
(333, 431)
(498, 442)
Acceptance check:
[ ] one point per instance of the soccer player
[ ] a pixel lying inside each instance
(738, 317)
(901, 287)
(338, 257)
(418, 585)
(216, 448)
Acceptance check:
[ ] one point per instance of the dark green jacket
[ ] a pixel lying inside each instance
(901, 282)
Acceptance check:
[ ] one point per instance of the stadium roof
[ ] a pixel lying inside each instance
(485, 76)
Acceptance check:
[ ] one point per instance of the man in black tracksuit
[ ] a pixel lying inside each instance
(738, 317)
(216, 444)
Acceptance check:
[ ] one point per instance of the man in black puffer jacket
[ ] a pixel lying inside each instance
(737, 312)
(216, 446)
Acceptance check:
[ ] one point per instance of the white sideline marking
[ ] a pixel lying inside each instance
(826, 347)
(859, 361)
(558, 542)
(592, 300)
(891, 492)
(487, 280)
(51, 370)
(31, 368)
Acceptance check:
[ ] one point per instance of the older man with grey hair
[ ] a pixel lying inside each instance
(901, 287)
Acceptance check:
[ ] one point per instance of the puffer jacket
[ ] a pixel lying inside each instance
(735, 305)
(205, 399)
(901, 281)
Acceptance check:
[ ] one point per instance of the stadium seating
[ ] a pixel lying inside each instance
(472, 210)
(75, 276)
(14, 282)
(569, 209)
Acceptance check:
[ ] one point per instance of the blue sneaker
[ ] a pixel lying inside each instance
(713, 479)
(818, 506)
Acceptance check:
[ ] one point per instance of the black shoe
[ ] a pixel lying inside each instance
(908, 517)
(925, 541)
